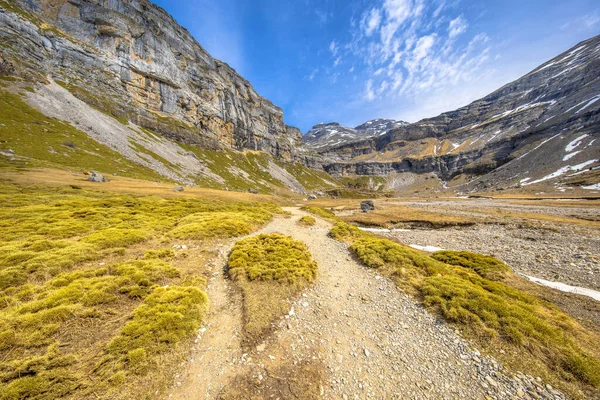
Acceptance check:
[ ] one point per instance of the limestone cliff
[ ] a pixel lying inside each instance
(130, 58)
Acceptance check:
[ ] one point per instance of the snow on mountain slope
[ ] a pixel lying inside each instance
(544, 126)
(329, 135)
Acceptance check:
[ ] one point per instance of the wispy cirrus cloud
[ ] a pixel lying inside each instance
(411, 49)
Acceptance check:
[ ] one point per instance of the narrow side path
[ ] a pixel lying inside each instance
(368, 338)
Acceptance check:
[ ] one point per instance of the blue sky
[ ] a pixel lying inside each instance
(349, 61)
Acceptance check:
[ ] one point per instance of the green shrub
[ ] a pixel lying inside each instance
(271, 257)
(486, 266)
(321, 212)
(307, 221)
(269, 269)
(166, 317)
(114, 237)
(343, 231)
(220, 224)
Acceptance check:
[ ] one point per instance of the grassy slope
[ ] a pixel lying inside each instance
(42, 141)
(94, 300)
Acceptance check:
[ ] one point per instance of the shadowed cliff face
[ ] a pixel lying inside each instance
(529, 124)
(130, 58)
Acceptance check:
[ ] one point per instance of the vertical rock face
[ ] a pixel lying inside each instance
(130, 58)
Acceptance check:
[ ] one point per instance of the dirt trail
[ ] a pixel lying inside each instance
(353, 333)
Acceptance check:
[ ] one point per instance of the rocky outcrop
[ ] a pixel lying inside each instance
(131, 59)
(325, 137)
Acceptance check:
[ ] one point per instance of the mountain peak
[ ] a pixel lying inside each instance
(332, 134)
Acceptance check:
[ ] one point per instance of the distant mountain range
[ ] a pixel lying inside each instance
(329, 135)
(542, 128)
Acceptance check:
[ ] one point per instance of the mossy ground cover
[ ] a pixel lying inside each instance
(321, 212)
(269, 269)
(307, 220)
(309, 178)
(469, 290)
(94, 302)
(46, 141)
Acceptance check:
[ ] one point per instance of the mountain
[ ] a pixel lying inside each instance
(131, 59)
(536, 129)
(120, 87)
(329, 135)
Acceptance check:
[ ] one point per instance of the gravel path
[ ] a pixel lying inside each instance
(372, 340)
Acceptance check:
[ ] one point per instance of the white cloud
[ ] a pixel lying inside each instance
(371, 21)
(333, 47)
(337, 61)
(410, 54)
(457, 27)
(369, 93)
(423, 46)
(322, 16)
(313, 74)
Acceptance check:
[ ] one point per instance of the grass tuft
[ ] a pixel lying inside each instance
(486, 266)
(307, 221)
(269, 269)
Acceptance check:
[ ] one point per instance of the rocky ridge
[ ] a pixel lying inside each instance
(331, 135)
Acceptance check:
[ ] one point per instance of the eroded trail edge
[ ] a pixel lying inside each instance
(353, 334)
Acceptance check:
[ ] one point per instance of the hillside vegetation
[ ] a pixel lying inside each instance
(95, 301)
(32, 139)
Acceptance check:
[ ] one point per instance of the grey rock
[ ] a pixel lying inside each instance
(178, 189)
(367, 205)
(96, 177)
(520, 131)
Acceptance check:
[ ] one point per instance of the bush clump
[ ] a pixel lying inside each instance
(269, 270)
(486, 266)
(220, 224)
(166, 317)
(307, 220)
(272, 257)
(115, 237)
(320, 212)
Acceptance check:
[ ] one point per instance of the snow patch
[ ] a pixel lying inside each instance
(429, 249)
(592, 101)
(563, 171)
(569, 156)
(592, 187)
(563, 287)
(383, 230)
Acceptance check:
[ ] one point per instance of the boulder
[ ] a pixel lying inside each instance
(96, 177)
(367, 206)
(177, 189)
(253, 191)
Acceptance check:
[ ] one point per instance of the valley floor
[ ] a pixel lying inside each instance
(352, 335)
(541, 245)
